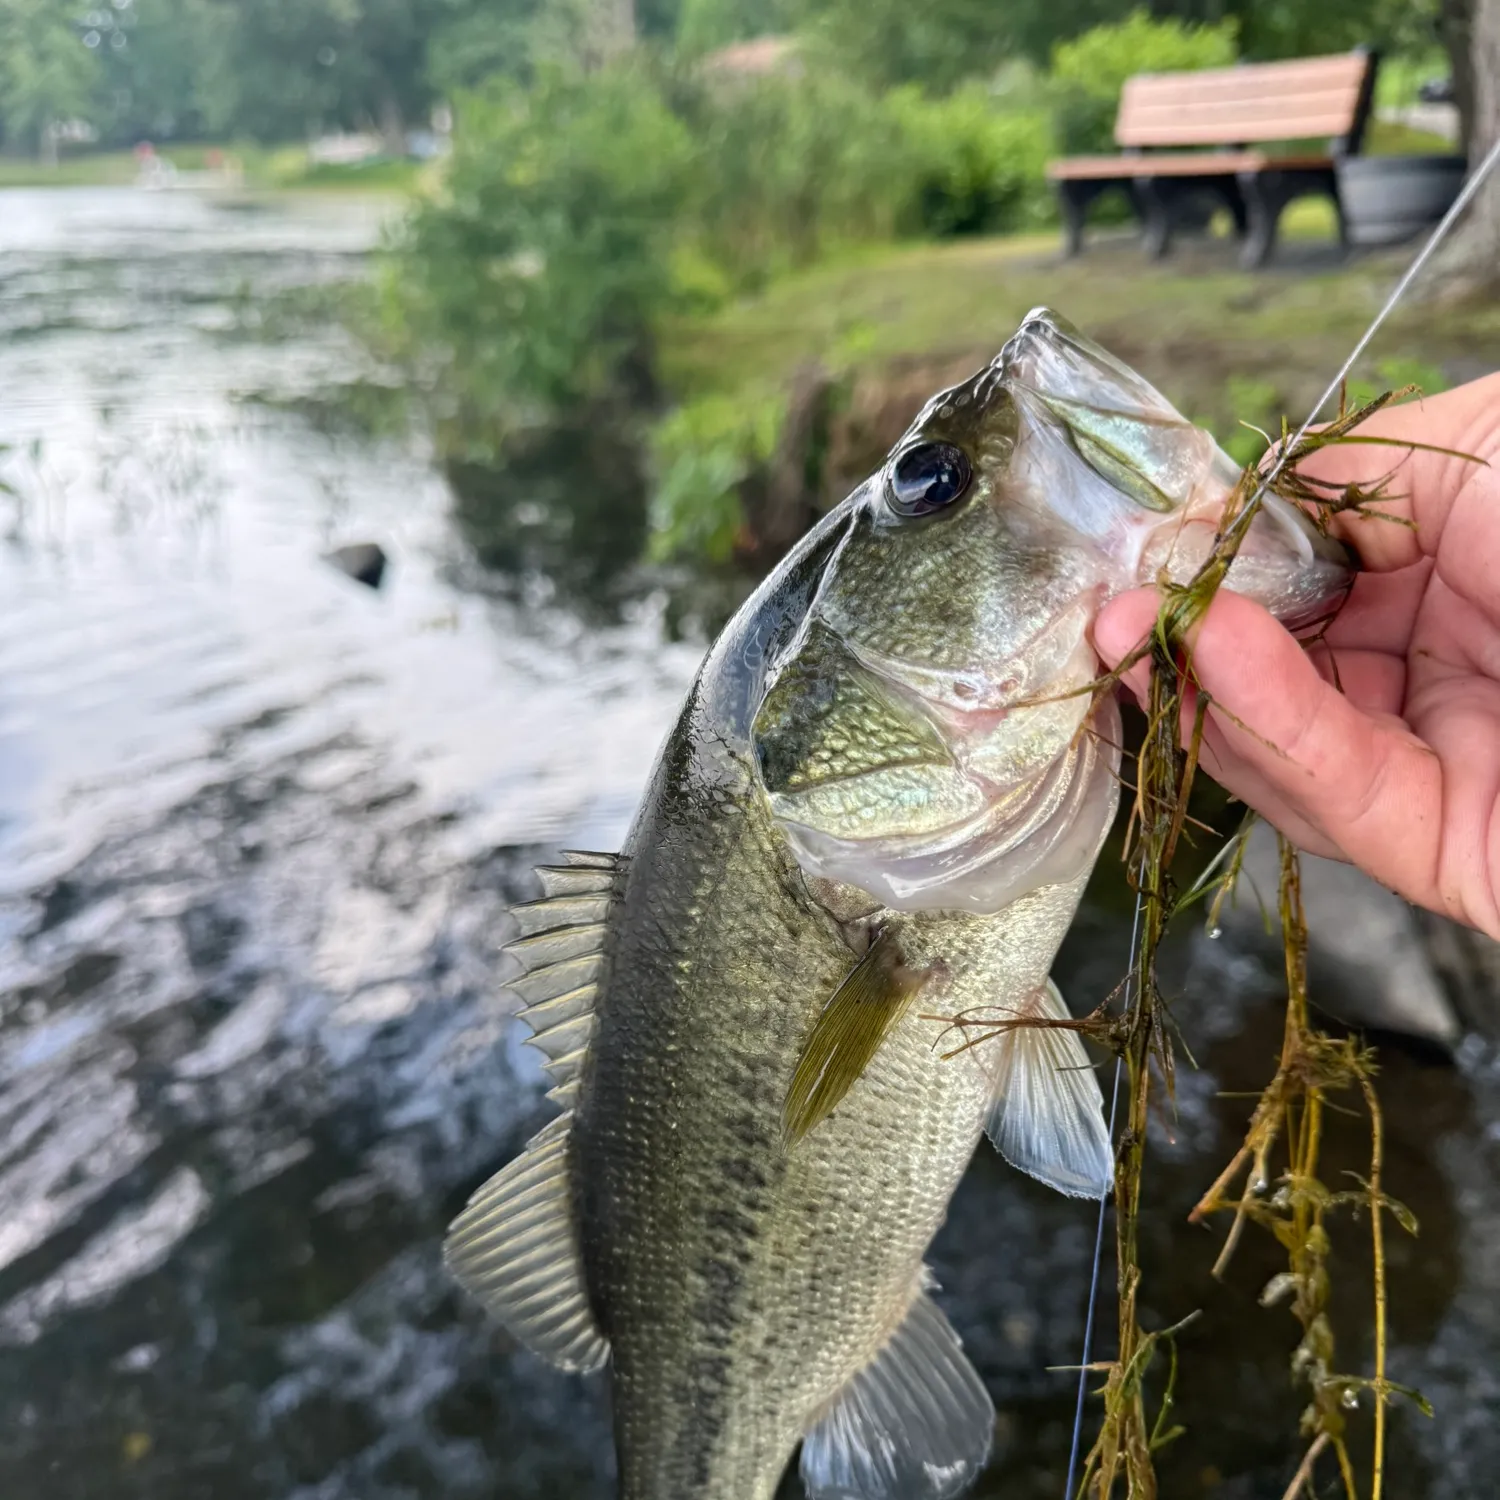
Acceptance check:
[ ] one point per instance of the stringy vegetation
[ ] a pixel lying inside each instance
(1273, 1180)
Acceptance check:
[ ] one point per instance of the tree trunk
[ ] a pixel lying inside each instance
(1470, 262)
(392, 124)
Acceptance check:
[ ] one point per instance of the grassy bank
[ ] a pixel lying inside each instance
(1195, 323)
(285, 168)
(871, 337)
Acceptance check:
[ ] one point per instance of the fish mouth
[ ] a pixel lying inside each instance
(1119, 465)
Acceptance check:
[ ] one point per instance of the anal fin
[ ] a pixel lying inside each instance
(1046, 1111)
(915, 1424)
(515, 1248)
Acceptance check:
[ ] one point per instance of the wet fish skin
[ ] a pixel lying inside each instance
(862, 754)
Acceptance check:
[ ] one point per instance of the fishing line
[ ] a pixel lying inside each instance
(1398, 292)
(1088, 1322)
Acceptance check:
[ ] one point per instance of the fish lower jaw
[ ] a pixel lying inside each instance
(985, 864)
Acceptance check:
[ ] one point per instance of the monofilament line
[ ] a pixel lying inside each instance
(1471, 187)
(1398, 293)
(1088, 1322)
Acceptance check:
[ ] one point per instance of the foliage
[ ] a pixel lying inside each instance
(534, 279)
(791, 166)
(702, 453)
(1090, 70)
(936, 44)
(47, 73)
(975, 168)
(705, 24)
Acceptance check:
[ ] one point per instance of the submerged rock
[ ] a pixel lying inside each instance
(364, 562)
(1368, 963)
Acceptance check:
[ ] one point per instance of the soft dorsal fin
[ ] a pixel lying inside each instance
(560, 949)
(915, 1424)
(1046, 1112)
(515, 1248)
(516, 1245)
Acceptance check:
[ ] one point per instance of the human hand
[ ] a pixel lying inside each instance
(1398, 773)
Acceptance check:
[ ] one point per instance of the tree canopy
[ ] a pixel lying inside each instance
(282, 69)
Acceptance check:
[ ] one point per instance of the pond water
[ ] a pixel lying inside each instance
(258, 826)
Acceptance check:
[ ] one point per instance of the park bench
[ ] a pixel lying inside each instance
(1185, 136)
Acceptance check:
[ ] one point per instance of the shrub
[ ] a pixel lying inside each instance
(533, 281)
(790, 167)
(702, 453)
(1089, 71)
(974, 168)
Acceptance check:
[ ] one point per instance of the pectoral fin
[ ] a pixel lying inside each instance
(1046, 1111)
(914, 1424)
(847, 1035)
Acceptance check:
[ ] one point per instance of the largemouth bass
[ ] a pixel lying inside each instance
(878, 809)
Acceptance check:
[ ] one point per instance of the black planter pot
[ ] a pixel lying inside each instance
(1387, 199)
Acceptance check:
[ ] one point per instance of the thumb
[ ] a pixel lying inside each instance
(1288, 743)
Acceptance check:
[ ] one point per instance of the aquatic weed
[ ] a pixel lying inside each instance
(1298, 1206)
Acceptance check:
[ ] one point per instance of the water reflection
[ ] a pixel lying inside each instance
(569, 503)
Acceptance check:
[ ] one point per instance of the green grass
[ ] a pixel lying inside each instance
(91, 169)
(1193, 323)
(264, 168)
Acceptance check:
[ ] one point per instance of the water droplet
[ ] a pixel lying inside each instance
(1259, 1184)
(1350, 1398)
(1216, 932)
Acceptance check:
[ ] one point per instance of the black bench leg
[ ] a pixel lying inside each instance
(1264, 201)
(1235, 201)
(1073, 203)
(1338, 208)
(1156, 217)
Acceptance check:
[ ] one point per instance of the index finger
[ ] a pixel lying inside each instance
(1423, 485)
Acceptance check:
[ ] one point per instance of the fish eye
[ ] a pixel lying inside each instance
(927, 477)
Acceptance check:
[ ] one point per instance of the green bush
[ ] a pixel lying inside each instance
(1089, 71)
(533, 281)
(790, 167)
(701, 454)
(973, 168)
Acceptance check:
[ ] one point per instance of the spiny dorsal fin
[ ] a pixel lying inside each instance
(915, 1424)
(848, 1033)
(560, 949)
(515, 1248)
(1046, 1112)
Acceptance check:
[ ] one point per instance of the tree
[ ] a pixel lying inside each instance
(1470, 263)
(48, 72)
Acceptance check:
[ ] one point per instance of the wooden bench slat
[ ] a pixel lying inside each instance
(1181, 164)
(1194, 88)
(1240, 127)
(1284, 77)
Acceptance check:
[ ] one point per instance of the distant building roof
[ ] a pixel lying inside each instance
(757, 58)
